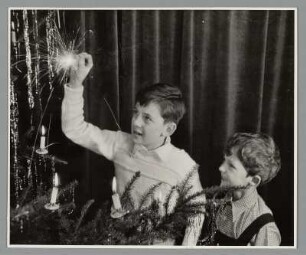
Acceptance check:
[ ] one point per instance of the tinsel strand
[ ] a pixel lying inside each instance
(14, 115)
(28, 59)
(50, 44)
(14, 37)
(14, 138)
(37, 58)
(29, 168)
(15, 31)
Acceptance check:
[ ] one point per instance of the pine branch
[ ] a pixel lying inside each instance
(216, 191)
(168, 198)
(139, 226)
(213, 192)
(148, 194)
(24, 196)
(188, 198)
(194, 205)
(97, 218)
(190, 213)
(126, 197)
(183, 185)
(83, 213)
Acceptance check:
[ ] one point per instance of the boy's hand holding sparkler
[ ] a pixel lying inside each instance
(79, 69)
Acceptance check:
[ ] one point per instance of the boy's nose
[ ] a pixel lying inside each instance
(222, 167)
(137, 120)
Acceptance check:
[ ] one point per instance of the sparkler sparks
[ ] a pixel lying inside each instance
(42, 53)
(55, 53)
(41, 57)
(65, 61)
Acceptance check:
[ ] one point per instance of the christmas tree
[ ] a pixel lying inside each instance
(35, 223)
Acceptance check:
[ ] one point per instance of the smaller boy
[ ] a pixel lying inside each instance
(250, 160)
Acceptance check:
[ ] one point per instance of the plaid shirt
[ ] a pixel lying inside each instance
(235, 217)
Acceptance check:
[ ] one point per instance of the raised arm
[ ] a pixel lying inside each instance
(78, 72)
(73, 124)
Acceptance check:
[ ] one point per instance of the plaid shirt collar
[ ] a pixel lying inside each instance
(246, 202)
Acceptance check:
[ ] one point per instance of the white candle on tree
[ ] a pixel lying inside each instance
(42, 138)
(54, 189)
(115, 196)
(42, 145)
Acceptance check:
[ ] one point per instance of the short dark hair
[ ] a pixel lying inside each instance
(257, 152)
(168, 97)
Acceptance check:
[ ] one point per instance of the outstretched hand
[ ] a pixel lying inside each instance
(80, 70)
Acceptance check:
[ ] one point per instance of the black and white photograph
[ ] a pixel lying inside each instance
(152, 127)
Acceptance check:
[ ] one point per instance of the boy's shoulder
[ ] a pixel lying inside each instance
(124, 140)
(253, 205)
(262, 206)
(180, 159)
(175, 152)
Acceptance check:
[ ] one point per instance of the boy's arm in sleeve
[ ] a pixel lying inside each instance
(81, 132)
(268, 235)
(195, 223)
(193, 230)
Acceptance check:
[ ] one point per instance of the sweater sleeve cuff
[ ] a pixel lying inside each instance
(73, 94)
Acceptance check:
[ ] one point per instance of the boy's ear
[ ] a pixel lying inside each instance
(255, 180)
(170, 128)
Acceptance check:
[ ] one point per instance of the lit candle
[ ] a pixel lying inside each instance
(42, 146)
(115, 196)
(54, 190)
(43, 138)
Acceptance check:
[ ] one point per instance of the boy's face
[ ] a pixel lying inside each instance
(233, 172)
(149, 127)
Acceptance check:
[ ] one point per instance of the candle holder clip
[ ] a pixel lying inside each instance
(117, 213)
(52, 207)
(42, 151)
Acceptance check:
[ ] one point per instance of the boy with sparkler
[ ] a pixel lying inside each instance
(147, 149)
(250, 160)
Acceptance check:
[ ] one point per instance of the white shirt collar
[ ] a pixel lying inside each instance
(161, 152)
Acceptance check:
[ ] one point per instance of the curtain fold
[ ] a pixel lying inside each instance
(186, 73)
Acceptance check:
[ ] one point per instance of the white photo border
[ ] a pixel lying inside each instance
(299, 231)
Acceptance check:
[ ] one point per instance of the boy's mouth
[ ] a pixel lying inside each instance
(223, 180)
(137, 133)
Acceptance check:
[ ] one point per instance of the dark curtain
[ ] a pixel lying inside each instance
(235, 68)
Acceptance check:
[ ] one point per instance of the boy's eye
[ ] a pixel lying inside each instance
(135, 112)
(232, 166)
(147, 118)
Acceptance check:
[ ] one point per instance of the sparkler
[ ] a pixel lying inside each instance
(47, 59)
(42, 56)
(38, 58)
(56, 53)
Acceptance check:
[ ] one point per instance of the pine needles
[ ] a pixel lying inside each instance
(142, 225)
